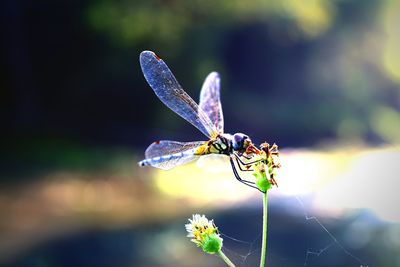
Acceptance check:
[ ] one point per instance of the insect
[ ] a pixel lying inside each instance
(206, 116)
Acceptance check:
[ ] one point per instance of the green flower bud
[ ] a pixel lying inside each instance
(212, 244)
(262, 182)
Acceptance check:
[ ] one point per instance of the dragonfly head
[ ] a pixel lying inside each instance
(240, 141)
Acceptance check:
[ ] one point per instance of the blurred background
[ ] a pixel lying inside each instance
(320, 78)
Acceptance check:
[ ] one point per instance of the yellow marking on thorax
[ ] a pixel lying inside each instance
(202, 150)
(212, 149)
(207, 148)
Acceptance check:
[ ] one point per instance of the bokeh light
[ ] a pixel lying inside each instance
(320, 78)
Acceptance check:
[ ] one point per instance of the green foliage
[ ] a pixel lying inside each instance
(167, 23)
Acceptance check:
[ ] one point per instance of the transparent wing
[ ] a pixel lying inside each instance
(172, 163)
(168, 154)
(210, 100)
(166, 147)
(168, 90)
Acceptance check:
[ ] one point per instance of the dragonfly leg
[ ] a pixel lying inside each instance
(243, 170)
(237, 176)
(246, 157)
(247, 163)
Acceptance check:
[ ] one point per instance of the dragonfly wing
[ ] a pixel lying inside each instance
(169, 163)
(167, 147)
(168, 154)
(210, 100)
(168, 90)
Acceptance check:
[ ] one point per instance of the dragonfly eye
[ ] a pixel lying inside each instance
(239, 141)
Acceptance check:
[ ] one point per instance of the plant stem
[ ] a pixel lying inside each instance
(225, 259)
(264, 232)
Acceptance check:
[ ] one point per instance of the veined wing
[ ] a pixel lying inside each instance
(167, 147)
(210, 100)
(168, 154)
(168, 90)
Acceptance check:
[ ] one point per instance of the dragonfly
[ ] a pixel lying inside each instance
(206, 116)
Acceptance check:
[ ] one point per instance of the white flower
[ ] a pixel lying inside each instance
(204, 233)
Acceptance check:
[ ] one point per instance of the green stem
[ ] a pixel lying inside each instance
(225, 259)
(264, 232)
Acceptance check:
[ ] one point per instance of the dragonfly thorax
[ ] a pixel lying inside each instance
(227, 143)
